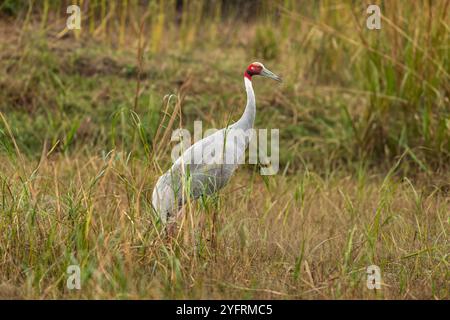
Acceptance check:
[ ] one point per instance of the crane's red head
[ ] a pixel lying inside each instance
(258, 69)
(254, 69)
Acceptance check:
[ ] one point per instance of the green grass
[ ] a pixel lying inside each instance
(364, 151)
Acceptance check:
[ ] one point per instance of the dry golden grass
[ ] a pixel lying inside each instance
(299, 237)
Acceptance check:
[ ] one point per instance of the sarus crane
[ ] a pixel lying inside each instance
(207, 165)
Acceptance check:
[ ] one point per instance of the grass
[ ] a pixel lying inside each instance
(85, 129)
(301, 237)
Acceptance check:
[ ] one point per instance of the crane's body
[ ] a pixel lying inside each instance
(207, 166)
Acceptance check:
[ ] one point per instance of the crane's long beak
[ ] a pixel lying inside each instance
(269, 74)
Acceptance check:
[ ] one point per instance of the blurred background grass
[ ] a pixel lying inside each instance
(364, 120)
(350, 93)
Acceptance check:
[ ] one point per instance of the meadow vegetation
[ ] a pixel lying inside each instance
(86, 118)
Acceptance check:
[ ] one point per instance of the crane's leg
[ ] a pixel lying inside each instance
(171, 229)
(172, 224)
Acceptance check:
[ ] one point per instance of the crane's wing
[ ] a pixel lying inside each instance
(202, 169)
(210, 162)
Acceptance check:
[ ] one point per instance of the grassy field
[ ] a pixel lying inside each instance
(85, 126)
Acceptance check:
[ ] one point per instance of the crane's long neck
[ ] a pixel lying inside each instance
(248, 117)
